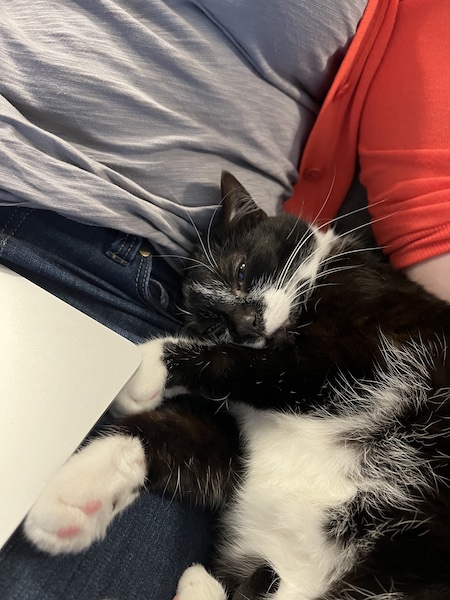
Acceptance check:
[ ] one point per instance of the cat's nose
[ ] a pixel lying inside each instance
(247, 324)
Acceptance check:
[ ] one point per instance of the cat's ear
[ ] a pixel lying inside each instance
(239, 208)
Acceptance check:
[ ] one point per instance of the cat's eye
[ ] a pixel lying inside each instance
(214, 329)
(241, 274)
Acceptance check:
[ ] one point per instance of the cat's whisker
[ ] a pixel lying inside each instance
(183, 310)
(327, 197)
(307, 286)
(332, 257)
(223, 403)
(208, 232)
(209, 257)
(306, 237)
(296, 302)
(311, 232)
(319, 285)
(294, 276)
(331, 222)
(299, 218)
(363, 226)
(186, 258)
(283, 274)
(339, 255)
(177, 489)
(354, 212)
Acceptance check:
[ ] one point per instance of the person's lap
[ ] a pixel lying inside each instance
(118, 281)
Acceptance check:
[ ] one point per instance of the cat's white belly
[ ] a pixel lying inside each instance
(295, 474)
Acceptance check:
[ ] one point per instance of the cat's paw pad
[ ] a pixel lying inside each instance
(144, 391)
(197, 583)
(76, 507)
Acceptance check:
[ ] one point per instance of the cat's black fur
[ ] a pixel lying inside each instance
(361, 327)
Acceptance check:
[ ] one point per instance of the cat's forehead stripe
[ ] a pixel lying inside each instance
(308, 269)
(277, 309)
(280, 300)
(215, 290)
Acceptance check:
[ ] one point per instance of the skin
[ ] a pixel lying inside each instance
(433, 274)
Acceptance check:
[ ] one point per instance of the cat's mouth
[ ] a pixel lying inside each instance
(282, 336)
(248, 333)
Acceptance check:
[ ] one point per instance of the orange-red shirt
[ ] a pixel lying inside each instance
(389, 109)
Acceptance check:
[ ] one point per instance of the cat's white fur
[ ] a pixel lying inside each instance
(299, 469)
(77, 505)
(279, 512)
(283, 295)
(145, 390)
(196, 583)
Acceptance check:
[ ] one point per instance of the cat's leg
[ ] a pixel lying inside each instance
(144, 391)
(263, 378)
(193, 450)
(196, 583)
(77, 505)
(176, 451)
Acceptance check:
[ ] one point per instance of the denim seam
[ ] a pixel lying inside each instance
(9, 220)
(117, 255)
(142, 280)
(20, 223)
(117, 258)
(136, 280)
(128, 249)
(8, 236)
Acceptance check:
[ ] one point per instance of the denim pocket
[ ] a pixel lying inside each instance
(149, 289)
(133, 251)
(124, 249)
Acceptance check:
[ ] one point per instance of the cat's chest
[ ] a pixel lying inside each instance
(297, 471)
(299, 456)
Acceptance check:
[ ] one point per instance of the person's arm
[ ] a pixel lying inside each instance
(404, 145)
(433, 274)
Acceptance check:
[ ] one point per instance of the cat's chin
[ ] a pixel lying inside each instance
(280, 338)
(260, 342)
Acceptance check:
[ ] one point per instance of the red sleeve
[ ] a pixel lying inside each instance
(329, 157)
(404, 136)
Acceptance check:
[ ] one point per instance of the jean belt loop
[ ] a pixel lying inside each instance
(124, 249)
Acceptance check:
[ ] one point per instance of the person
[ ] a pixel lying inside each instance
(387, 112)
(116, 120)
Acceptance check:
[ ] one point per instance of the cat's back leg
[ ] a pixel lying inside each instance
(196, 583)
(192, 449)
(77, 505)
(182, 451)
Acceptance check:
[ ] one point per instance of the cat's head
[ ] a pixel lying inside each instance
(251, 277)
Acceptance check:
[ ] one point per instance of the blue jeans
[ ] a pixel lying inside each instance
(116, 279)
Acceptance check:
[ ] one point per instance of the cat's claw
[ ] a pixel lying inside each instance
(76, 507)
(197, 583)
(144, 391)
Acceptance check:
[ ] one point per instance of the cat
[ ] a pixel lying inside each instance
(307, 401)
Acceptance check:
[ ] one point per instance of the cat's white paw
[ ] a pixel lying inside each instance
(79, 503)
(197, 583)
(144, 391)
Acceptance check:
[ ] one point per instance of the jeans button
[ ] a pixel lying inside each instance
(145, 249)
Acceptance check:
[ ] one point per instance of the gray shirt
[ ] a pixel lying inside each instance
(123, 113)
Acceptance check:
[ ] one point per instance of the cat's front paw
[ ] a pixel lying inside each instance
(79, 503)
(197, 583)
(144, 391)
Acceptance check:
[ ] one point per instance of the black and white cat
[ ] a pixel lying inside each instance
(320, 430)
